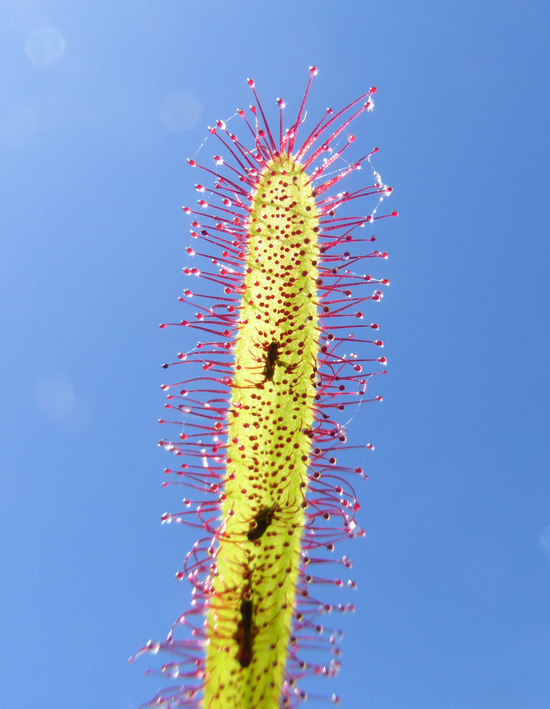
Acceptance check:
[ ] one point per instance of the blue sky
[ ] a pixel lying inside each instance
(100, 105)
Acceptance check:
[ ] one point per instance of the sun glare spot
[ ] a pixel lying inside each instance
(56, 397)
(180, 111)
(45, 47)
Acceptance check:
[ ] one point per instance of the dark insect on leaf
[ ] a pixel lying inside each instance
(244, 633)
(262, 521)
(271, 360)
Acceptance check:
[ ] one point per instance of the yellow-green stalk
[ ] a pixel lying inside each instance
(270, 418)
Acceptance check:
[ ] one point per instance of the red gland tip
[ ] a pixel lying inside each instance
(251, 83)
(313, 70)
(373, 89)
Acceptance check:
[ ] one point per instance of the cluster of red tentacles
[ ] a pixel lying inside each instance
(198, 403)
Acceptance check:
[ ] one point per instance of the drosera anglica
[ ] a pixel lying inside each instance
(285, 247)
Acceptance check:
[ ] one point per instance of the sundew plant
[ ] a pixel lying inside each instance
(259, 405)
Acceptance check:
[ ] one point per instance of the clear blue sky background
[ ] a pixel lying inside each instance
(100, 105)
